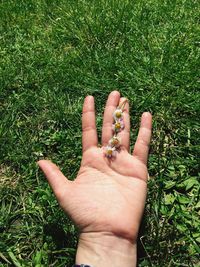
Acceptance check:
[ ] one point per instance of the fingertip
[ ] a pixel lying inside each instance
(147, 114)
(115, 93)
(146, 120)
(88, 104)
(122, 99)
(47, 165)
(41, 162)
(89, 97)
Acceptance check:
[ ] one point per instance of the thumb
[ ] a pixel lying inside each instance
(58, 182)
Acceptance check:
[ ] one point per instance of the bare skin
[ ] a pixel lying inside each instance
(106, 200)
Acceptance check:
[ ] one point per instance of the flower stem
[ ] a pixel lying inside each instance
(122, 105)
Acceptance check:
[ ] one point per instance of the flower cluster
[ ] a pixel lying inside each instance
(118, 125)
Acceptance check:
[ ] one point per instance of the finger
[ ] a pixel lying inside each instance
(89, 135)
(111, 105)
(58, 182)
(125, 133)
(141, 148)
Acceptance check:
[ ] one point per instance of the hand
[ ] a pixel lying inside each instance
(106, 200)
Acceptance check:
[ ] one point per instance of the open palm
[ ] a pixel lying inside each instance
(108, 195)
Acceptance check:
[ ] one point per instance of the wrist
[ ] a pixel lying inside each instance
(104, 249)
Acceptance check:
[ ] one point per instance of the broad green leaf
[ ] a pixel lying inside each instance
(189, 183)
(169, 199)
(14, 259)
(38, 258)
(183, 199)
(169, 184)
(197, 205)
(181, 227)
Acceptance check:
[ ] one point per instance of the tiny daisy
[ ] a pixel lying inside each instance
(115, 141)
(118, 126)
(110, 151)
(118, 113)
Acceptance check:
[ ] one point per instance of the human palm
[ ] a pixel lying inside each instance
(108, 195)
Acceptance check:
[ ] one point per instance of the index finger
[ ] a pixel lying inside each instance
(89, 135)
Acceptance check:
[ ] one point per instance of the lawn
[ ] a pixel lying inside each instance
(53, 54)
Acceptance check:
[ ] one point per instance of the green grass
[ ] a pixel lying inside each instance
(54, 53)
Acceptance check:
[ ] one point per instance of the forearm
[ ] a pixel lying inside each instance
(105, 250)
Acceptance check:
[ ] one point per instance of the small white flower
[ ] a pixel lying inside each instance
(110, 152)
(118, 113)
(118, 126)
(115, 141)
